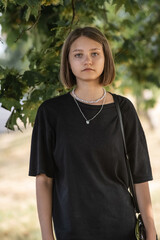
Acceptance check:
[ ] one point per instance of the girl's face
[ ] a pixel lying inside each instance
(86, 59)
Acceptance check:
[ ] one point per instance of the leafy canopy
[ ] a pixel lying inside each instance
(35, 31)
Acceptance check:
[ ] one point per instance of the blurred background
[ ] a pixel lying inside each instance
(31, 37)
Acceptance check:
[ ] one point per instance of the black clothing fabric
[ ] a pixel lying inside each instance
(87, 164)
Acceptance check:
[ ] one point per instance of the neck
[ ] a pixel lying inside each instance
(89, 92)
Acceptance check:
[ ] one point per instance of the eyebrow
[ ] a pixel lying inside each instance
(81, 50)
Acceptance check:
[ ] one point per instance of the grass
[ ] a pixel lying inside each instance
(18, 214)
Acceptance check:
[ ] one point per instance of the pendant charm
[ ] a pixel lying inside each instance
(87, 122)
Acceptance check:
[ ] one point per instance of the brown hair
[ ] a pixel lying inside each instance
(67, 78)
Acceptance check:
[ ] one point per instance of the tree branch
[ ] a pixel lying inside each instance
(25, 30)
(74, 12)
(73, 15)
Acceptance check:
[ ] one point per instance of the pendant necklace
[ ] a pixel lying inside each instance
(88, 120)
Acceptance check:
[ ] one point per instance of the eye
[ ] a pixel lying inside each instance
(78, 55)
(94, 54)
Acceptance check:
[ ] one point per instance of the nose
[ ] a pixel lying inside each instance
(87, 59)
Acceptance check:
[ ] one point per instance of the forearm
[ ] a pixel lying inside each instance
(145, 207)
(44, 205)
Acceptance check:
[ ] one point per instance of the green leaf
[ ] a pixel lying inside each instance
(2, 72)
(12, 121)
(128, 23)
(28, 13)
(32, 2)
(4, 2)
(29, 112)
(32, 77)
(131, 6)
(8, 103)
(119, 4)
(21, 2)
(35, 10)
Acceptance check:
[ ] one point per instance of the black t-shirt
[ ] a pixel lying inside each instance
(87, 164)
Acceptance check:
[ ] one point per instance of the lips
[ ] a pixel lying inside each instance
(87, 69)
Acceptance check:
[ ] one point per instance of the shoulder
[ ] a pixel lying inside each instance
(129, 113)
(50, 108)
(125, 103)
(53, 103)
(128, 110)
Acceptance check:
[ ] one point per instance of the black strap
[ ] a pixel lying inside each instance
(131, 184)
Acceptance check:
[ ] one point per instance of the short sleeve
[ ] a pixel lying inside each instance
(41, 154)
(136, 144)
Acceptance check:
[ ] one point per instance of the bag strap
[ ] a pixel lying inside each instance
(131, 184)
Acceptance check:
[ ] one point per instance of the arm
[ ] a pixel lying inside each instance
(44, 205)
(145, 207)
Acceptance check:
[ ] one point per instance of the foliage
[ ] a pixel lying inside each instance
(38, 29)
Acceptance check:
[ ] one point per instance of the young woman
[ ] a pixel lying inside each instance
(77, 152)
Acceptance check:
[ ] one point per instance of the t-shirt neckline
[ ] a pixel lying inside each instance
(107, 105)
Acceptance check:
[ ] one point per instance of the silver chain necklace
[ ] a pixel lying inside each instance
(85, 101)
(88, 120)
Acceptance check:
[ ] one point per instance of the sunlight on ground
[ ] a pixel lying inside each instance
(18, 216)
